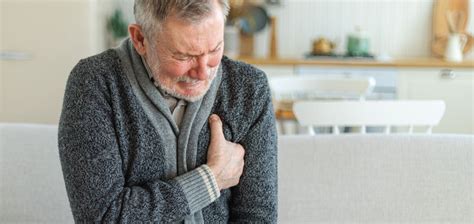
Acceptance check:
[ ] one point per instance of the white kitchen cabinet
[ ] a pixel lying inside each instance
(385, 77)
(454, 86)
(385, 87)
(277, 70)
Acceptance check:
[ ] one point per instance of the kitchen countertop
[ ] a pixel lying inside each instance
(400, 63)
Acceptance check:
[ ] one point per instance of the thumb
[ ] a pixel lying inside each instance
(216, 128)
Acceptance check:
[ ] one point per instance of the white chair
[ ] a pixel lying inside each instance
(386, 113)
(287, 89)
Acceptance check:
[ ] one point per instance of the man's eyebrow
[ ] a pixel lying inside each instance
(178, 53)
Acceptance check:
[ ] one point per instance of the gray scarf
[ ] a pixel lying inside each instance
(181, 147)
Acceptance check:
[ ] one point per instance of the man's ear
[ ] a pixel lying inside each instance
(138, 38)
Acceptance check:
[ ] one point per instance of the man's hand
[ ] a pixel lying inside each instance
(224, 158)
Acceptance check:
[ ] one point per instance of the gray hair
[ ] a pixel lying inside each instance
(150, 14)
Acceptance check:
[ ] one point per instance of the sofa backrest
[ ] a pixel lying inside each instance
(322, 179)
(32, 187)
(376, 179)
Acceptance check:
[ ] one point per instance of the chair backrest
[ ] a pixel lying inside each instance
(311, 87)
(386, 113)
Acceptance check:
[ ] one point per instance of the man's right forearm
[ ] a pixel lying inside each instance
(98, 193)
(200, 187)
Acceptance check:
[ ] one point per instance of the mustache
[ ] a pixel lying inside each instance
(211, 72)
(186, 79)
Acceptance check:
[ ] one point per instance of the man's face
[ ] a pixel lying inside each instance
(184, 57)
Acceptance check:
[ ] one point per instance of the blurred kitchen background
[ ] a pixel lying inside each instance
(401, 43)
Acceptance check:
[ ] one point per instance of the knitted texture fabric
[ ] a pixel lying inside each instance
(112, 156)
(180, 144)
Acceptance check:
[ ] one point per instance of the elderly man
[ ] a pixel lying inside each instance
(155, 130)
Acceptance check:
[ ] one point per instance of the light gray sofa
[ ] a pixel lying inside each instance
(376, 179)
(32, 188)
(322, 179)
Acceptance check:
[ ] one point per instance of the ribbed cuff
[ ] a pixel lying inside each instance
(200, 187)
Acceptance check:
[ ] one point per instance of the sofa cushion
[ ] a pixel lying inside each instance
(376, 179)
(32, 188)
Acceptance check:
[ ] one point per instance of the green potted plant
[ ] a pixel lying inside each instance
(117, 26)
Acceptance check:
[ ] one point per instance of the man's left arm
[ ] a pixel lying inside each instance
(255, 198)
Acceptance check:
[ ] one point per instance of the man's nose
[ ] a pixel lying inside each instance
(200, 68)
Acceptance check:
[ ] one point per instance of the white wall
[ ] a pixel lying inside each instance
(400, 28)
(55, 34)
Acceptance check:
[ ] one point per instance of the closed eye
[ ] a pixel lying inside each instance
(216, 50)
(183, 57)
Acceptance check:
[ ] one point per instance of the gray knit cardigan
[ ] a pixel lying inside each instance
(113, 164)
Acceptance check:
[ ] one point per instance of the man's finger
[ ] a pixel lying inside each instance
(216, 128)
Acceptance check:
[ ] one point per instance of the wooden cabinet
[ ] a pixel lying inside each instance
(454, 86)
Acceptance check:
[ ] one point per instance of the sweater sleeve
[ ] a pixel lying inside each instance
(254, 199)
(93, 167)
